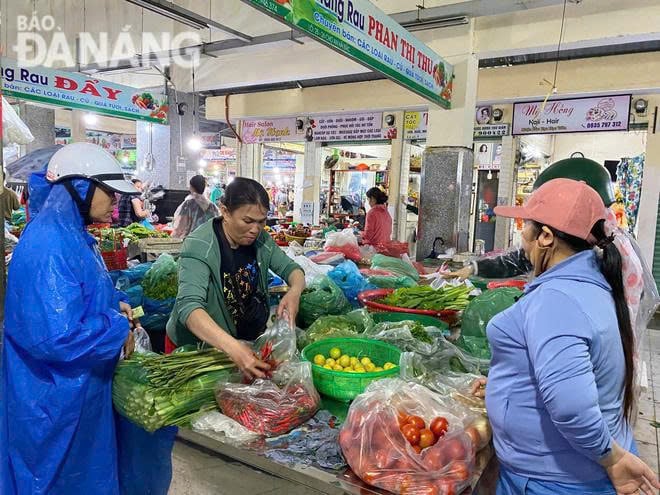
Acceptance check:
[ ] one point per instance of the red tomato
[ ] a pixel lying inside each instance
(344, 438)
(445, 487)
(411, 433)
(402, 418)
(455, 450)
(417, 421)
(434, 459)
(459, 471)
(439, 426)
(475, 437)
(426, 438)
(382, 459)
(417, 449)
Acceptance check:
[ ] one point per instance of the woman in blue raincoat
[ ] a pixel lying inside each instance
(65, 325)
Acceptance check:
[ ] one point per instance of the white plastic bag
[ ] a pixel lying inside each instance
(14, 130)
(312, 270)
(224, 425)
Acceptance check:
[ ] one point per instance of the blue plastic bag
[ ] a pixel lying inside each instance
(349, 279)
(135, 295)
(144, 459)
(153, 306)
(131, 275)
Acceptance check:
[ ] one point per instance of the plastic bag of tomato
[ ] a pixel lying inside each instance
(404, 438)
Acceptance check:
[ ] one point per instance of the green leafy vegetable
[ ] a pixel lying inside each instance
(425, 297)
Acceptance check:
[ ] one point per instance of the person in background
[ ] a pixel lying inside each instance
(223, 279)
(131, 207)
(64, 329)
(216, 194)
(361, 218)
(378, 223)
(9, 202)
(195, 210)
(559, 392)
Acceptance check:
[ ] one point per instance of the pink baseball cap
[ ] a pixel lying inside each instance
(567, 205)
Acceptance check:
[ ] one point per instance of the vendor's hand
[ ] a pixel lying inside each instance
(129, 345)
(126, 310)
(289, 305)
(461, 274)
(478, 387)
(629, 474)
(246, 360)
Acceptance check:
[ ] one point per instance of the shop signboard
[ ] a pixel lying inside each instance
(128, 141)
(599, 113)
(270, 130)
(224, 154)
(307, 213)
(210, 140)
(492, 130)
(347, 127)
(415, 125)
(78, 91)
(364, 33)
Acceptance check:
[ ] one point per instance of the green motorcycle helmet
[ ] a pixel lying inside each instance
(582, 169)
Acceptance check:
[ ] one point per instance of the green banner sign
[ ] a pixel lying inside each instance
(361, 31)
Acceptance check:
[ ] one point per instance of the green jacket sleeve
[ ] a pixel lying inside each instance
(194, 279)
(280, 263)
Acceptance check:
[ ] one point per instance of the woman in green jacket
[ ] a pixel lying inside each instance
(223, 279)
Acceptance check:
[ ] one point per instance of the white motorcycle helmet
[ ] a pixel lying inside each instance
(88, 161)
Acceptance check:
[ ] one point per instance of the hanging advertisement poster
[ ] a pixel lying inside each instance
(78, 91)
(346, 127)
(491, 130)
(415, 125)
(364, 33)
(599, 113)
(269, 130)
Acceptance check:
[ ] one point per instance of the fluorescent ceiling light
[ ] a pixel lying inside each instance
(434, 23)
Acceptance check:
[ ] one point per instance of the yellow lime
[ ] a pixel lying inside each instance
(335, 353)
(378, 368)
(336, 367)
(360, 370)
(370, 367)
(389, 366)
(319, 359)
(365, 361)
(327, 366)
(344, 360)
(349, 369)
(354, 361)
(330, 361)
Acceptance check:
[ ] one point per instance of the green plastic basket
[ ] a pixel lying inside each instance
(427, 321)
(347, 386)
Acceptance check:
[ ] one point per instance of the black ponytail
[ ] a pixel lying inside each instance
(611, 268)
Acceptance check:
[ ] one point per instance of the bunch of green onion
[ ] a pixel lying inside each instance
(154, 391)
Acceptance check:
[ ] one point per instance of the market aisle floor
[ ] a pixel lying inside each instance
(199, 473)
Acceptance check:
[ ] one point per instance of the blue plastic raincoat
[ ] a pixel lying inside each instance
(63, 337)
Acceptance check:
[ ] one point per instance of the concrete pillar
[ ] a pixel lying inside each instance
(154, 140)
(648, 204)
(312, 177)
(506, 191)
(78, 127)
(447, 166)
(41, 122)
(249, 158)
(397, 188)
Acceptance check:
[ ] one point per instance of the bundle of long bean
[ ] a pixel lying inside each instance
(155, 391)
(425, 297)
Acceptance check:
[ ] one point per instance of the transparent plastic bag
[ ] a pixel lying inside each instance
(416, 368)
(14, 130)
(312, 270)
(348, 278)
(277, 344)
(328, 327)
(396, 266)
(362, 319)
(142, 340)
(161, 281)
(377, 451)
(272, 407)
(321, 298)
(408, 335)
(230, 429)
(483, 307)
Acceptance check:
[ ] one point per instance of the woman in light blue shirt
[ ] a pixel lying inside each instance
(559, 394)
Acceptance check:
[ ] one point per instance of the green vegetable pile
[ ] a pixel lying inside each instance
(155, 391)
(134, 232)
(419, 332)
(161, 282)
(425, 297)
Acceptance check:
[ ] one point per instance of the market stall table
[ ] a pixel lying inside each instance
(342, 482)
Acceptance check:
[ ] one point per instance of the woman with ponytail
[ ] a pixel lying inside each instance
(560, 386)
